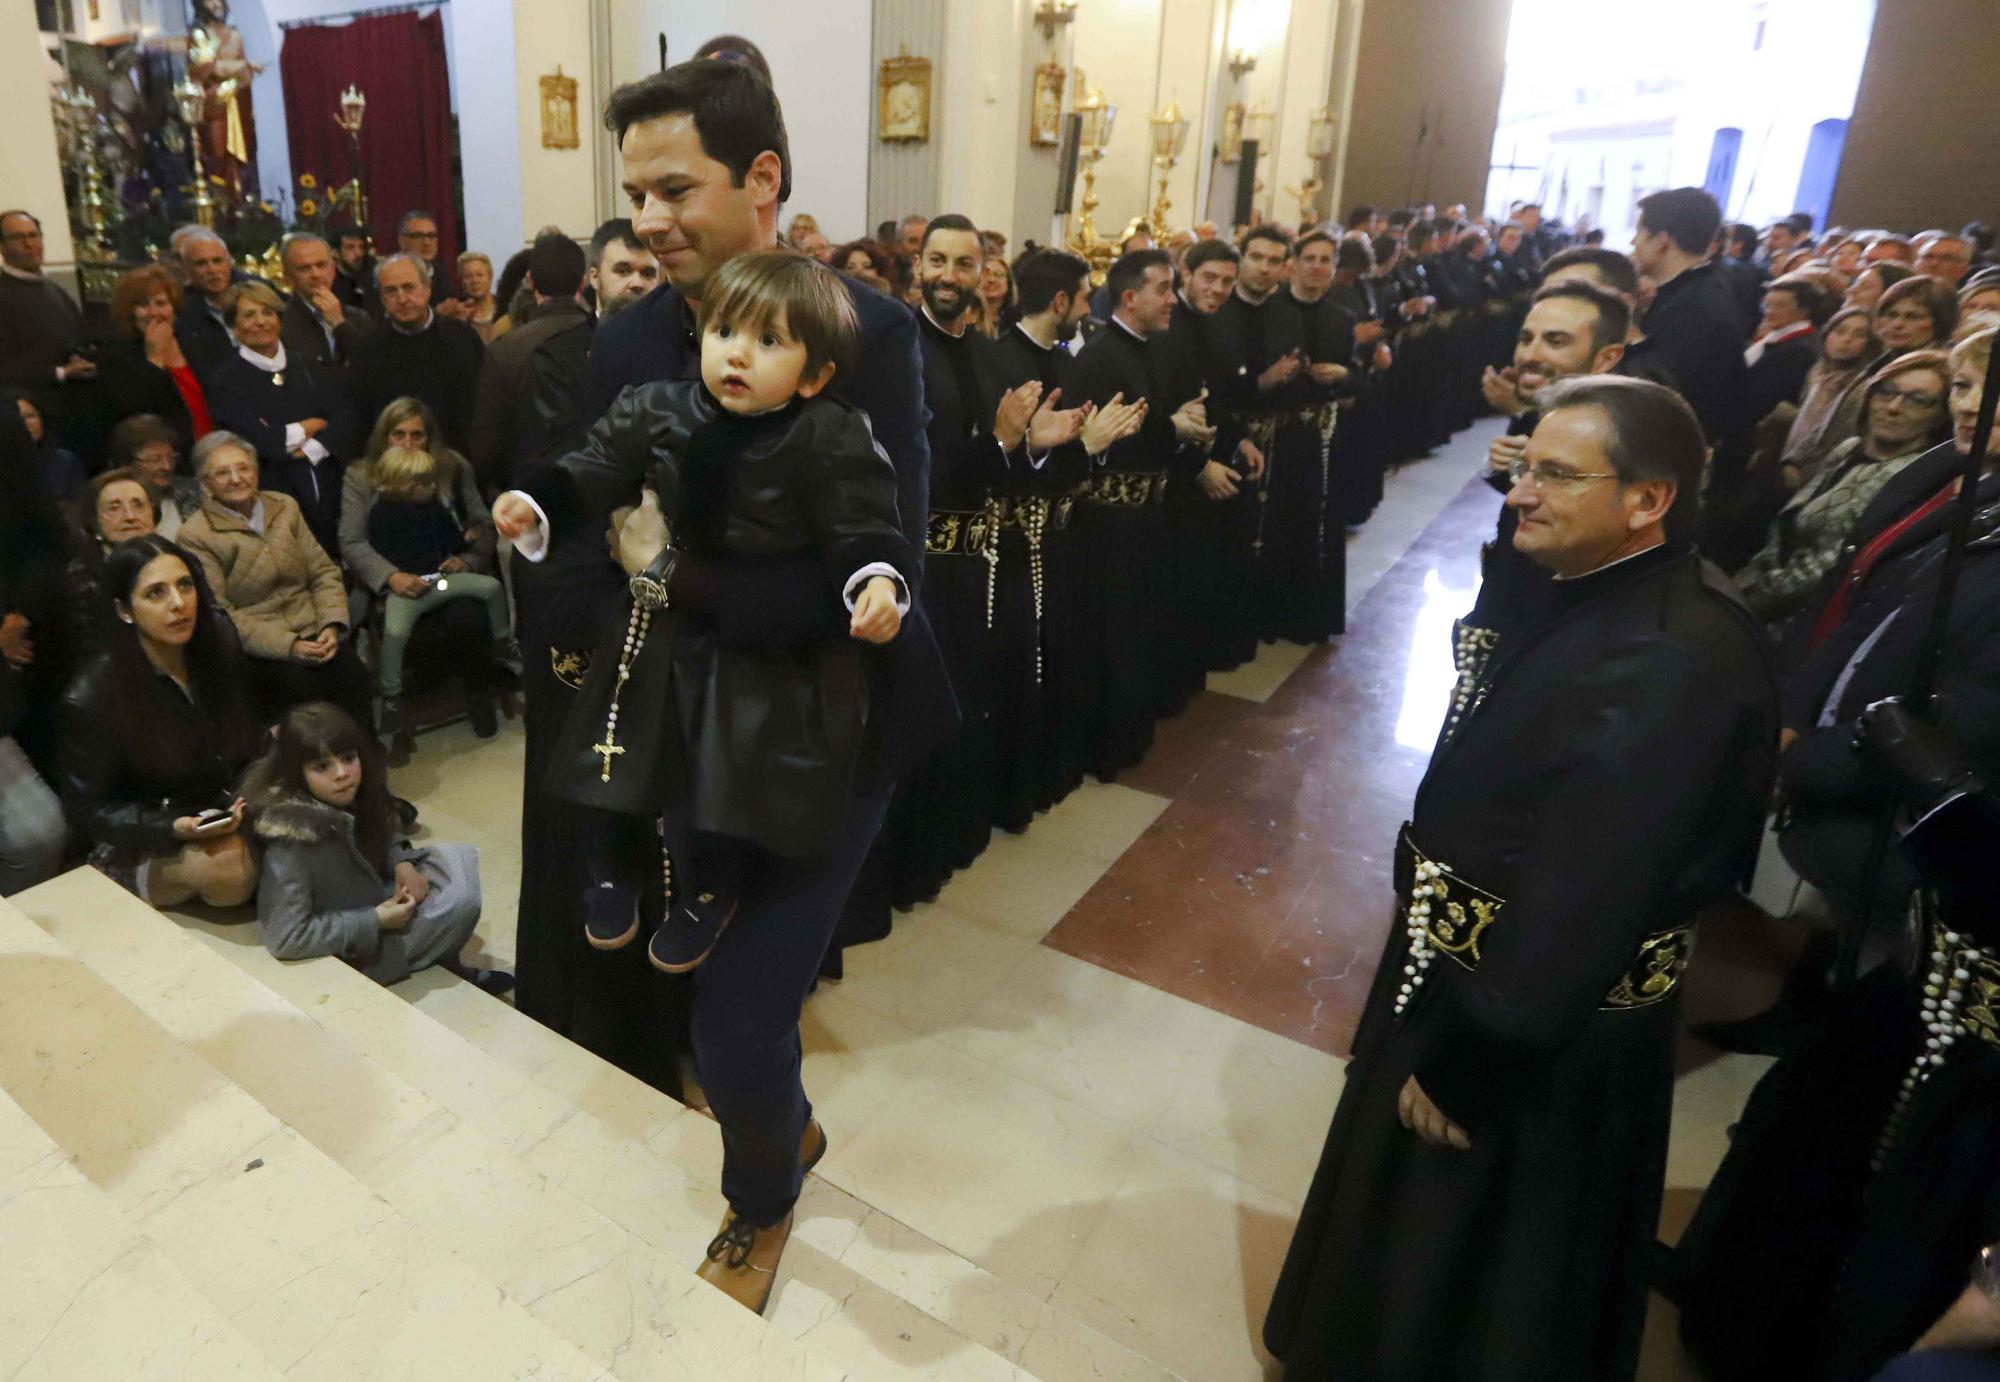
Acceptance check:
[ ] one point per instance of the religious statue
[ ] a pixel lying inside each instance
(228, 130)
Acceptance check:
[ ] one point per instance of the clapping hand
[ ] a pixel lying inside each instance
(1112, 423)
(1503, 451)
(1017, 409)
(1280, 371)
(15, 644)
(1498, 388)
(1329, 373)
(1191, 420)
(1049, 429)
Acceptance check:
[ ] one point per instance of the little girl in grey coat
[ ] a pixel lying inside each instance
(334, 882)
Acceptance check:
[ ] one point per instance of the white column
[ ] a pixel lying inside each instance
(1308, 58)
(978, 113)
(30, 171)
(553, 186)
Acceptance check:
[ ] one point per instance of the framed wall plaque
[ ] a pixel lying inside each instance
(559, 128)
(904, 105)
(1045, 115)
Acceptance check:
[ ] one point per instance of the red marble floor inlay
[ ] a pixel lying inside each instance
(1263, 891)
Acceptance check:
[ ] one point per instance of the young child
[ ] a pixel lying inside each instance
(409, 524)
(334, 882)
(748, 752)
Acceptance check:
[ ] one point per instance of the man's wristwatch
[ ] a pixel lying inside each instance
(651, 588)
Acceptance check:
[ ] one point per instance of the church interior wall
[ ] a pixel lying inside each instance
(902, 174)
(820, 63)
(1434, 63)
(1919, 148)
(30, 167)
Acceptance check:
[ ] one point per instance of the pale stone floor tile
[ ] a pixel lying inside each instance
(934, 968)
(991, 1167)
(1022, 885)
(1099, 820)
(1707, 1102)
(1180, 1267)
(857, 1061)
(1259, 679)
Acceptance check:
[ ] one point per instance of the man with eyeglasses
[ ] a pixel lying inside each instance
(40, 325)
(1486, 1202)
(1572, 328)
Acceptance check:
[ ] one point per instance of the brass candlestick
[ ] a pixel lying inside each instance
(353, 109)
(190, 101)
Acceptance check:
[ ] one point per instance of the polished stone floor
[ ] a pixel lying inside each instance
(1100, 1067)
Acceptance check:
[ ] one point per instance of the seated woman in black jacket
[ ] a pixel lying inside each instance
(295, 418)
(141, 367)
(156, 733)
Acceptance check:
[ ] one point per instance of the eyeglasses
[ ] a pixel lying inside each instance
(1916, 398)
(420, 235)
(1547, 475)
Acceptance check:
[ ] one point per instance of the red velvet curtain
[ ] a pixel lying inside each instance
(398, 62)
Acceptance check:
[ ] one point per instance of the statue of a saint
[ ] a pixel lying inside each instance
(228, 130)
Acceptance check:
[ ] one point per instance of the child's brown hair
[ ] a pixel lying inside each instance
(751, 290)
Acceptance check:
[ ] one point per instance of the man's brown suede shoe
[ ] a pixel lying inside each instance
(743, 1259)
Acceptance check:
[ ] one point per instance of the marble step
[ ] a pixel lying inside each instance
(1009, 1320)
(322, 1277)
(628, 1305)
(858, 1286)
(82, 1295)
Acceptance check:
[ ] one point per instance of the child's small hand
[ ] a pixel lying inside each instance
(395, 914)
(876, 618)
(513, 516)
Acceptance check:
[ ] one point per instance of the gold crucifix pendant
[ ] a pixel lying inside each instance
(609, 750)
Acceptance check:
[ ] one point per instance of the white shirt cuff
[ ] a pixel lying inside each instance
(533, 545)
(314, 451)
(852, 590)
(295, 435)
(1036, 462)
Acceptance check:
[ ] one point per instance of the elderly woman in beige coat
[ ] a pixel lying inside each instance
(285, 595)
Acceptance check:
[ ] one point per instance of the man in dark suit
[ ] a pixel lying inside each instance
(530, 402)
(705, 164)
(319, 329)
(204, 335)
(1696, 322)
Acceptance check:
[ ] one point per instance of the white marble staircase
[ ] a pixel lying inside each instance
(287, 1170)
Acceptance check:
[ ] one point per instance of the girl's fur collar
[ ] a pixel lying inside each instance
(283, 814)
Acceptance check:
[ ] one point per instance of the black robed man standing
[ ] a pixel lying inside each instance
(1486, 1202)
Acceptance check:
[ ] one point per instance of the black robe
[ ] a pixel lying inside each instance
(943, 815)
(1304, 556)
(1130, 584)
(1606, 782)
(1039, 654)
(1214, 538)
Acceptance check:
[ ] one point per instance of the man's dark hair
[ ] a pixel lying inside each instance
(17, 211)
(1385, 247)
(1801, 222)
(1129, 273)
(886, 232)
(411, 217)
(556, 263)
(1360, 216)
(1267, 231)
(1689, 216)
(734, 110)
(1401, 217)
(1315, 237)
(346, 233)
(735, 48)
(1355, 255)
(1614, 318)
(1420, 233)
(1041, 274)
(616, 231)
(1807, 293)
(1527, 206)
(1614, 268)
(1654, 436)
(1593, 238)
(1208, 251)
(951, 220)
(1741, 235)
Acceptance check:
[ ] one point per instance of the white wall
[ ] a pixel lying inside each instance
(30, 172)
(549, 186)
(979, 113)
(1117, 44)
(820, 65)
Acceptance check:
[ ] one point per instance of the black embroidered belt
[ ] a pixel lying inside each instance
(961, 533)
(1445, 914)
(570, 668)
(1128, 487)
